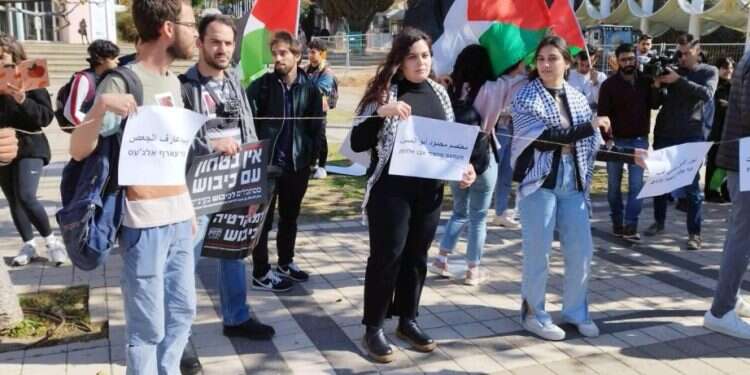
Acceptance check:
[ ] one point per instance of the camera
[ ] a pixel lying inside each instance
(227, 120)
(658, 65)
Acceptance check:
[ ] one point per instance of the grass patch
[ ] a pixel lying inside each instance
(51, 318)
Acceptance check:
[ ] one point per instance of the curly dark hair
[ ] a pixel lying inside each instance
(377, 88)
(100, 50)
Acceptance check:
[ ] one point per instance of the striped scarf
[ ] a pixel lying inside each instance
(387, 135)
(535, 110)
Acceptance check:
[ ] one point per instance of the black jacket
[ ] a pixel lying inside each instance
(736, 125)
(34, 114)
(266, 96)
(682, 102)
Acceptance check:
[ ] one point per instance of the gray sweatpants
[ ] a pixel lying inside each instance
(736, 255)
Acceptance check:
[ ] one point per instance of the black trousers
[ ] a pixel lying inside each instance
(323, 156)
(290, 189)
(403, 214)
(19, 182)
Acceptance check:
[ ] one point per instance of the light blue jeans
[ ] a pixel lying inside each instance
(158, 287)
(504, 170)
(470, 206)
(632, 209)
(543, 211)
(232, 281)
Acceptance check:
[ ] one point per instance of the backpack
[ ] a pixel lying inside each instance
(92, 201)
(64, 94)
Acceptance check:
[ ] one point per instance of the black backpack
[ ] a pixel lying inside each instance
(92, 200)
(64, 94)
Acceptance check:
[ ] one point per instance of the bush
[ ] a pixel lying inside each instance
(126, 27)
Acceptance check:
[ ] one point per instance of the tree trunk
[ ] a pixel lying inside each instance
(10, 310)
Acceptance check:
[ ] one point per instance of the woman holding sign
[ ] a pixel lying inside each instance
(553, 151)
(403, 212)
(28, 112)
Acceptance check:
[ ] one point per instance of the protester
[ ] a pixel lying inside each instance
(212, 87)
(288, 95)
(493, 102)
(644, 54)
(322, 76)
(103, 57)
(554, 146)
(627, 98)
(721, 102)
(158, 276)
(680, 120)
(28, 112)
(728, 308)
(586, 79)
(470, 205)
(402, 212)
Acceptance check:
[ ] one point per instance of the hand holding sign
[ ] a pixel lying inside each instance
(672, 167)
(430, 148)
(155, 144)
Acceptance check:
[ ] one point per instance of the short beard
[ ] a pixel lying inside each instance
(177, 53)
(629, 71)
(212, 63)
(282, 72)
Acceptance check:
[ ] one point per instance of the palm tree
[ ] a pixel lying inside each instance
(10, 310)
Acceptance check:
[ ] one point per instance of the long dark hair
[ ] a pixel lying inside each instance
(472, 66)
(377, 88)
(554, 41)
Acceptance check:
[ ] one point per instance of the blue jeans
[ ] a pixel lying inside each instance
(543, 211)
(232, 281)
(158, 288)
(504, 170)
(692, 192)
(470, 206)
(635, 182)
(736, 254)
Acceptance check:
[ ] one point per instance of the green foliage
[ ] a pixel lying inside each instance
(27, 328)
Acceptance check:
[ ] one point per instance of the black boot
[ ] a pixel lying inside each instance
(377, 345)
(189, 363)
(409, 330)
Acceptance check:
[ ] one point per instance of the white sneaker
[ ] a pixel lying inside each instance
(548, 331)
(56, 252)
(27, 252)
(440, 268)
(730, 324)
(320, 173)
(473, 276)
(742, 308)
(588, 329)
(507, 221)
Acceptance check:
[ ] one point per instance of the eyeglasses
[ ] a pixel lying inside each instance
(186, 24)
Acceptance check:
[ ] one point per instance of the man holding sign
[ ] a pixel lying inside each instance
(158, 277)
(212, 88)
(728, 307)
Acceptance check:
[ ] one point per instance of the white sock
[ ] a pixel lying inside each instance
(31, 242)
(49, 239)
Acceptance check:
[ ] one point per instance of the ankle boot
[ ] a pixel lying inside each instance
(377, 345)
(409, 331)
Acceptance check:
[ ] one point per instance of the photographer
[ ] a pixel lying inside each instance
(644, 53)
(627, 98)
(685, 91)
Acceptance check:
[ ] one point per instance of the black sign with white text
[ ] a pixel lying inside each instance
(220, 183)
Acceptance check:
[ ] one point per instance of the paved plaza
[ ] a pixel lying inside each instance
(648, 299)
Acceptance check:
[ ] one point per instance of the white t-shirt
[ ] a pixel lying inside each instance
(582, 83)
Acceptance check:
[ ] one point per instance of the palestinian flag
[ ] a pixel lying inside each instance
(257, 27)
(566, 26)
(509, 29)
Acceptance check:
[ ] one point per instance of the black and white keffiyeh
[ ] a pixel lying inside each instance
(534, 110)
(387, 135)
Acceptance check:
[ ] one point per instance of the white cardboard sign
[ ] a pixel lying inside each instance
(430, 148)
(673, 167)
